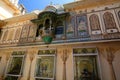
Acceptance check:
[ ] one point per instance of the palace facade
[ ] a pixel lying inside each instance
(76, 41)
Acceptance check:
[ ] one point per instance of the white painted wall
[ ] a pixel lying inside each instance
(5, 11)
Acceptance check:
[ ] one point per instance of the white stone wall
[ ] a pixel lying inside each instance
(5, 11)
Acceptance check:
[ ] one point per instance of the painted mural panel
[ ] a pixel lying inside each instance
(45, 67)
(82, 26)
(70, 31)
(109, 20)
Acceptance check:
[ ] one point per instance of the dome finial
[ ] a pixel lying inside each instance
(51, 3)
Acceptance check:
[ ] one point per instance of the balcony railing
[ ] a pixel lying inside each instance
(92, 38)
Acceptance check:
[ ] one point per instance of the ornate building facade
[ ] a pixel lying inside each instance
(76, 41)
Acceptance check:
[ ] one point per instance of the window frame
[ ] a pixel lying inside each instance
(45, 55)
(10, 61)
(85, 55)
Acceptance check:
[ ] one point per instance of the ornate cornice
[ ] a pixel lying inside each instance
(12, 6)
(87, 4)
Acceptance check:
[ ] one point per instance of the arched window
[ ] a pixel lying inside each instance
(38, 32)
(47, 24)
(109, 20)
(94, 22)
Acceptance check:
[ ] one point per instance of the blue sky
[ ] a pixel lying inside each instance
(31, 5)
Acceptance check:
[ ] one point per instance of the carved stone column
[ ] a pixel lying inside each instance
(109, 56)
(31, 56)
(5, 68)
(28, 64)
(26, 67)
(110, 59)
(64, 58)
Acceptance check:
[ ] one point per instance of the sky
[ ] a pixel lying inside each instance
(31, 5)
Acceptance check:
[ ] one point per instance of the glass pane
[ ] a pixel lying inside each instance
(59, 30)
(18, 53)
(84, 50)
(85, 68)
(45, 67)
(15, 65)
(42, 52)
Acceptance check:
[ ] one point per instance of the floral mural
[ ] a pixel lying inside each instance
(82, 27)
(71, 27)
